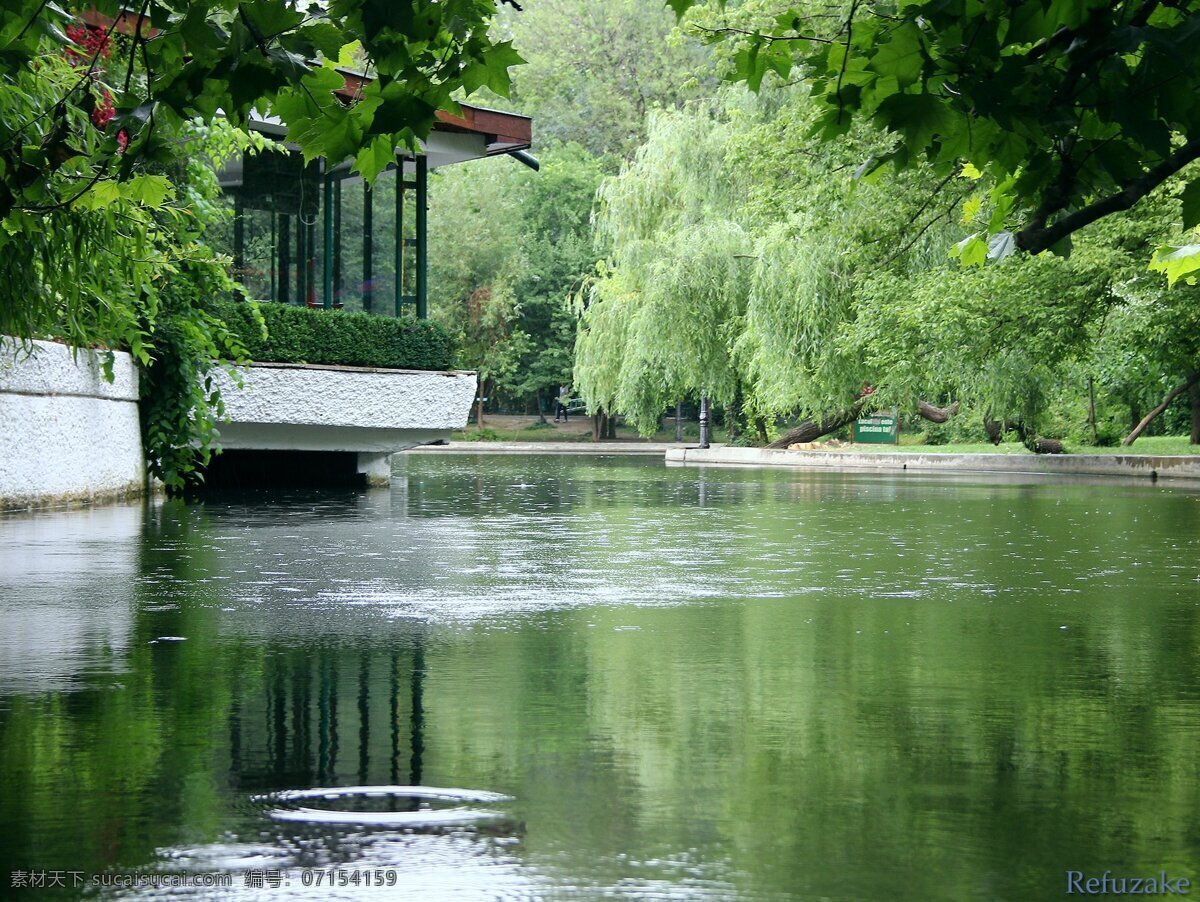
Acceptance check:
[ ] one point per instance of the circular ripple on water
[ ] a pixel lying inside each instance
(427, 806)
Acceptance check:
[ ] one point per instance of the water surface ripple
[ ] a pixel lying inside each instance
(646, 682)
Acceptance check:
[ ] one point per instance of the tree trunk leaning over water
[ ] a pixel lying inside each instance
(1046, 446)
(1163, 405)
(936, 414)
(811, 430)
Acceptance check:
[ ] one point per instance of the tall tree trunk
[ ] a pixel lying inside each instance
(1163, 405)
(811, 430)
(760, 426)
(541, 413)
(596, 424)
(479, 404)
(678, 421)
(1092, 410)
(936, 414)
(1194, 398)
(735, 415)
(612, 428)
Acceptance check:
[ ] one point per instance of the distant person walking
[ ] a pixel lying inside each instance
(561, 409)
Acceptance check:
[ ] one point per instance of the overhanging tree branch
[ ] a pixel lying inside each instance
(936, 414)
(811, 430)
(1037, 236)
(762, 36)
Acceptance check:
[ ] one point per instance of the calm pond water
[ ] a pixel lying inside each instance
(630, 680)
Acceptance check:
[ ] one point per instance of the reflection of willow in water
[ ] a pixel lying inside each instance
(872, 698)
(318, 717)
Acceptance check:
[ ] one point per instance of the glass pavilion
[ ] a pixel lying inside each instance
(319, 236)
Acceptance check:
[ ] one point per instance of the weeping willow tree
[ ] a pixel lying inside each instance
(828, 222)
(660, 318)
(791, 280)
(732, 260)
(801, 293)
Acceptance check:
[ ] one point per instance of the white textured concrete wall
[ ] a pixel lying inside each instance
(319, 408)
(65, 433)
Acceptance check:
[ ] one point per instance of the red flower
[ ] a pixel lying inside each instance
(104, 111)
(91, 43)
(122, 141)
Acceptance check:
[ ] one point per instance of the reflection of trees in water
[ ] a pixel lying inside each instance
(841, 742)
(331, 715)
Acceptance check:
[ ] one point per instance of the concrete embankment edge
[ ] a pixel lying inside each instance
(1121, 465)
(67, 434)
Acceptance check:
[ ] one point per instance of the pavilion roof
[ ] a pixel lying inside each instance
(488, 132)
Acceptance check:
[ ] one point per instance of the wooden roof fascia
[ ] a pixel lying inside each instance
(512, 131)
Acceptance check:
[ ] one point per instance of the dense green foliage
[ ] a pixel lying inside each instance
(1075, 110)
(595, 71)
(747, 265)
(181, 410)
(280, 333)
(508, 248)
(740, 259)
(109, 134)
(185, 337)
(91, 125)
(85, 270)
(656, 320)
(124, 264)
(199, 59)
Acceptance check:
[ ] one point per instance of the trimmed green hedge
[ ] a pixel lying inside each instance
(300, 335)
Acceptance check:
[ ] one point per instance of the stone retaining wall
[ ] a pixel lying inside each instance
(66, 434)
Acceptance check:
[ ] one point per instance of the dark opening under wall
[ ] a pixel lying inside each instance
(245, 469)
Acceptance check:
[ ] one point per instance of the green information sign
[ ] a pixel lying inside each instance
(878, 429)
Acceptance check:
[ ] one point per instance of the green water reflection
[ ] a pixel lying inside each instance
(691, 682)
